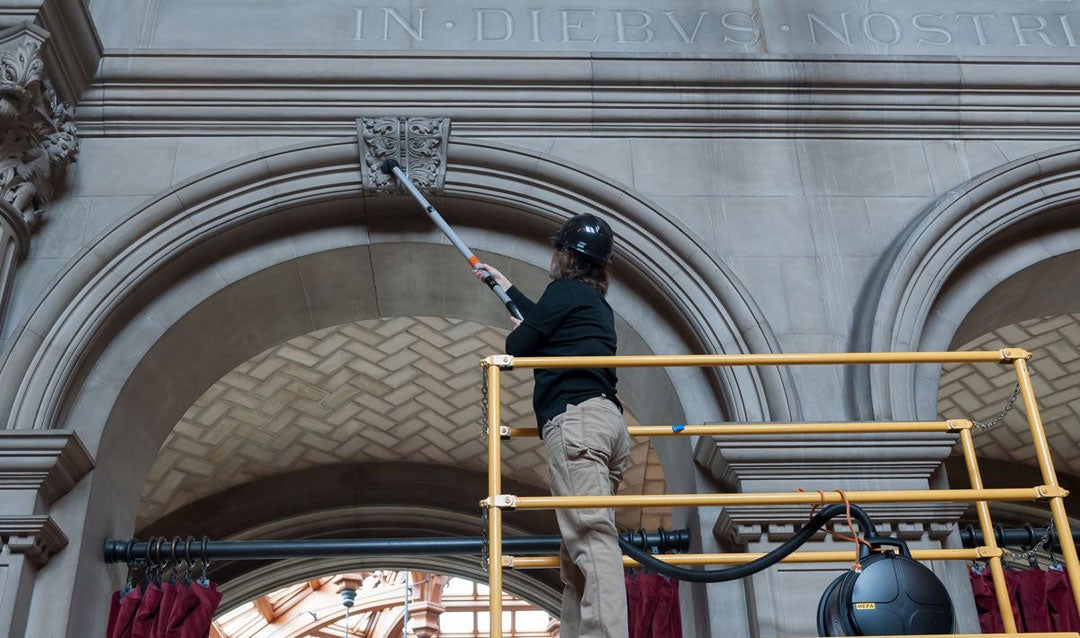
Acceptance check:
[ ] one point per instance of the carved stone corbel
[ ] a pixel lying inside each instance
(36, 537)
(38, 139)
(418, 144)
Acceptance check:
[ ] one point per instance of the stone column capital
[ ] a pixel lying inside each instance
(38, 139)
(73, 52)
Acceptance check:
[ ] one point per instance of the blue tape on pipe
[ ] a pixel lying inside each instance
(678, 427)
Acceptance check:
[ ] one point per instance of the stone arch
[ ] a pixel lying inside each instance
(74, 359)
(50, 347)
(986, 231)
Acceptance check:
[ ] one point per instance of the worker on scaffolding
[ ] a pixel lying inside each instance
(579, 418)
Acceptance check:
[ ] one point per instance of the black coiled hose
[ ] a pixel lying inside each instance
(648, 561)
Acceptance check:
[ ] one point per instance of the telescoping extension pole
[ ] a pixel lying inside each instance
(391, 167)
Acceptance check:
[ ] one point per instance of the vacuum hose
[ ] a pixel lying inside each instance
(804, 534)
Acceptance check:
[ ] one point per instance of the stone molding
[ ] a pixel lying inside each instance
(929, 280)
(39, 140)
(417, 144)
(577, 94)
(37, 537)
(739, 527)
(48, 462)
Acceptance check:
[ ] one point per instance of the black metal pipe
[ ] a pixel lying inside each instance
(173, 549)
(1024, 536)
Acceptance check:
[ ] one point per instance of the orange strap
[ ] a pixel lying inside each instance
(855, 538)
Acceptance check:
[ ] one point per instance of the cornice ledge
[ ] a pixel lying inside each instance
(48, 462)
(37, 537)
(844, 461)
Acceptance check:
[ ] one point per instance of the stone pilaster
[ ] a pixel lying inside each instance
(37, 468)
(418, 144)
(783, 599)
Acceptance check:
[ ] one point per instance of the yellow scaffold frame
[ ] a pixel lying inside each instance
(1050, 490)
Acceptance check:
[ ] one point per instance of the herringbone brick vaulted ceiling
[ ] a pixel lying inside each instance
(409, 389)
(402, 389)
(979, 392)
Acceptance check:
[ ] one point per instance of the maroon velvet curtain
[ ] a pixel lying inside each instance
(1041, 601)
(652, 603)
(166, 610)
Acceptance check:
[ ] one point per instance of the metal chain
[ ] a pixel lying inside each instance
(999, 418)
(483, 404)
(485, 558)
(1035, 549)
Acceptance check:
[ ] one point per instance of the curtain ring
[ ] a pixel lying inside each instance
(149, 548)
(187, 549)
(1031, 536)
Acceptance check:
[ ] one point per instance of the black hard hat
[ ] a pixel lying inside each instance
(588, 235)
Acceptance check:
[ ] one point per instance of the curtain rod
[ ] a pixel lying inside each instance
(159, 549)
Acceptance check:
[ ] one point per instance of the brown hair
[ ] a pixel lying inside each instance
(572, 265)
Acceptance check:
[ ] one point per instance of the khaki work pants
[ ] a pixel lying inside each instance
(588, 449)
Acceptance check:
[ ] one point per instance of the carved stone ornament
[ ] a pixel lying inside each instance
(37, 537)
(418, 144)
(37, 131)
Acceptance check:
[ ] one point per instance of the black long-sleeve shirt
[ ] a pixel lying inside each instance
(571, 318)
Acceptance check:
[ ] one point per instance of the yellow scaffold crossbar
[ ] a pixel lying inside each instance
(1049, 490)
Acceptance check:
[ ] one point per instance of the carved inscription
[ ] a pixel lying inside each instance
(1031, 27)
(998, 28)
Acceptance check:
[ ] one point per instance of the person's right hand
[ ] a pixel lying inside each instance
(500, 278)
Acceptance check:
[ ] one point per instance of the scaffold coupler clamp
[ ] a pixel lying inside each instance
(990, 552)
(1051, 491)
(955, 425)
(500, 501)
(504, 361)
(1008, 355)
